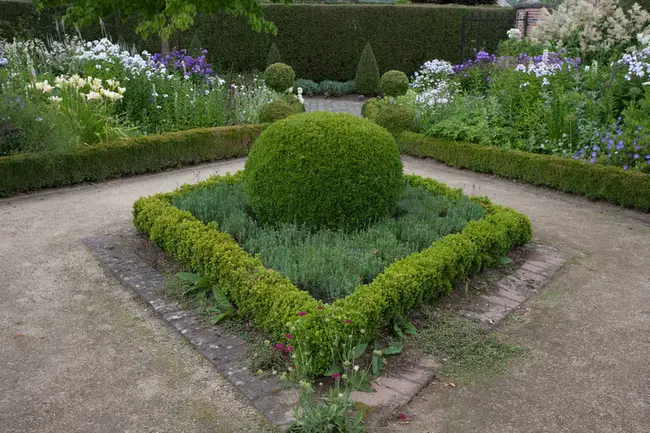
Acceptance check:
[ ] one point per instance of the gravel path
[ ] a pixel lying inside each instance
(80, 353)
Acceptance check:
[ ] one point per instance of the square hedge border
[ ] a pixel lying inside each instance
(273, 303)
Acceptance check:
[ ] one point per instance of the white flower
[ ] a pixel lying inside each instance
(55, 99)
(93, 96)
(545, 82)
(522, 85)
(514, 34)
(43, 86)
(356, 368)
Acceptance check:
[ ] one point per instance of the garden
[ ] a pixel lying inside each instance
(322, 243)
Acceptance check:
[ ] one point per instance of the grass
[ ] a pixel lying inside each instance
(331, 264)
(466, 351)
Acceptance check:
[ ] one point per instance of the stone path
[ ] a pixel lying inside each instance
(349, 104)
(80, 353)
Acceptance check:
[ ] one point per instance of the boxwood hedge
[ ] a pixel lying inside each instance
(595, 181)
(273, 303)
(321, 42)
(31, 171)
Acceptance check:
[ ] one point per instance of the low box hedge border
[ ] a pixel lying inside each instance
(595, 181)
(274, 304)
(146, 154)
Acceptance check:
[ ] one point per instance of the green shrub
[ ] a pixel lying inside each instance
(394, 83)
(396, 118)
(31, 171)
(336, 88)
(196, 47)
(308, 87)
(273, 56)
(274, 304)
(276, 110)
(279, 77)
(627, 188)
(371, 107)
(323, 170)
(367, 79)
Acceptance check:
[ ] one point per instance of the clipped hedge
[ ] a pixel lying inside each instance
(627, 188)
(321, 42)
(31, 171)
(275, 305)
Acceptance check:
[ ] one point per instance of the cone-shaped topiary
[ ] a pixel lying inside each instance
(396, 118)
(279, 77)
(323, 170)
(394, 83)
(275, 110)
(196, 47)
(367, 79)
(273, 56)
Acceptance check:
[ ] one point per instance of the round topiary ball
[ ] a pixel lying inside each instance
(396, 118)
(323, 170)
(275, 110)
(279, 77)
(394, 83)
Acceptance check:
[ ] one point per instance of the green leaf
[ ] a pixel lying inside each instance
(189, 277)
(398, 330)
(505, 260)
(219, 317)
(392, 350)
(221, 299)
(334, 368)
(409, 328)
(358, 351)
(377, 365)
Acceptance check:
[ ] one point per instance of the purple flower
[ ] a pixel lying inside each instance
(301, 313)
(279, 346)
(625, 167)
(620, 145)
(638, 128)
(596, 147)
(336, 376)
(636, 156)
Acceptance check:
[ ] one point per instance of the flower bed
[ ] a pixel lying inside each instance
(274, 304)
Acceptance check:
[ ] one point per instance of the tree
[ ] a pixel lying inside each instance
(160, 17)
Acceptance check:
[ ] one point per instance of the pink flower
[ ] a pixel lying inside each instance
(288, 349)
(301, 313)
(336, 376)
(402, 416)
(279, 346)
(289, 336)
(347, 320)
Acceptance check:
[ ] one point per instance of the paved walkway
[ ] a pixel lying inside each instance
(79, 353)
(348, 104)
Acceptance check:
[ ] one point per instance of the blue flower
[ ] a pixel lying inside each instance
(638, 128)
(625, 167)
(636, 156)
(596, 147)
(619, 132)
(593, 154)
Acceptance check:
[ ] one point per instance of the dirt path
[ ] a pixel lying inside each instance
(589, 332)
(79, 353)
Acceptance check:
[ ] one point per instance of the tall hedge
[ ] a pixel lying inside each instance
(321, 42)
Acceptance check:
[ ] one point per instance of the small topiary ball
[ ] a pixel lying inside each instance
(394, 83)
(371, 107)
(396, 118)
(279, 77)
(323, 170)
(276, 110)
